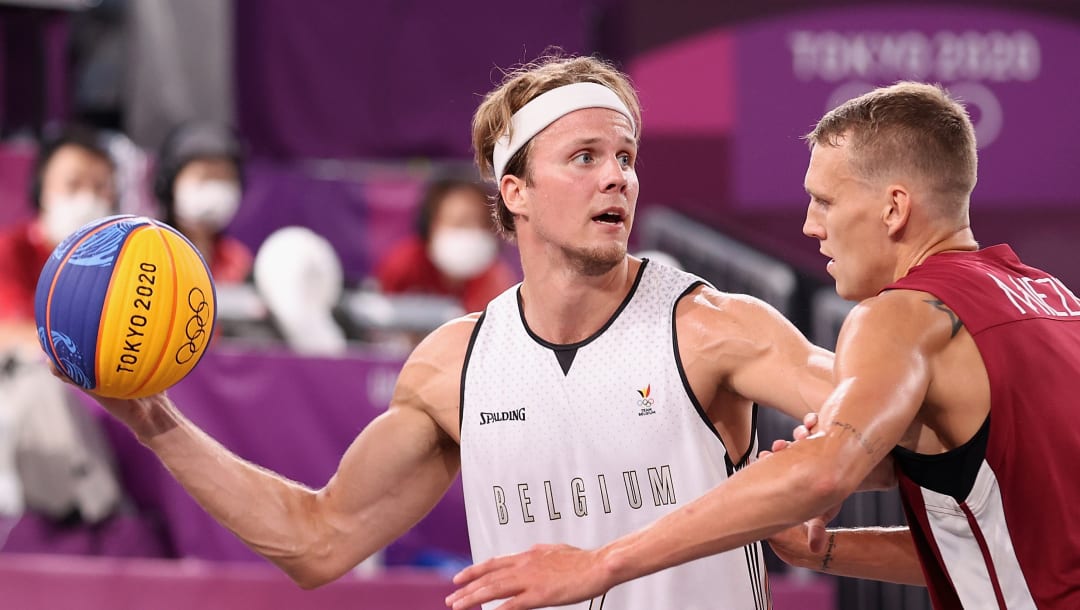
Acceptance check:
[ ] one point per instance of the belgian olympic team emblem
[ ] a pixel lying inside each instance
(646, 401)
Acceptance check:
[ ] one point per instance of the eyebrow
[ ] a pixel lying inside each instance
(594, 140)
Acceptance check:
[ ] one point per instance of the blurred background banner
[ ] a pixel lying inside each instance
(761, 85)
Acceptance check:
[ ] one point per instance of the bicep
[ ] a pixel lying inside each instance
(784, 370)
(882, 372)
(403, 462)
(390, 477)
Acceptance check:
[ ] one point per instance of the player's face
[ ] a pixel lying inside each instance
(845, 216)
(579, 202)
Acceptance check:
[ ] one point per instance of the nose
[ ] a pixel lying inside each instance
(614, 178)
(812, 226)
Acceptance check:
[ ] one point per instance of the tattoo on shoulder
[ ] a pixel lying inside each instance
(869, 445)
(956, 323)
(828, 552)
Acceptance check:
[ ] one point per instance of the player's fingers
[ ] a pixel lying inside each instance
(800, 433)
(810, 420)
(476, 570)
(482, 590)
(56, 372)
(816, 534)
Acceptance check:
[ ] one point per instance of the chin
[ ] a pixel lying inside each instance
(598, 260)
(856, 294)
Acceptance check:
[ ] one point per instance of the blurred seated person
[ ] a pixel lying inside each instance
(73, 183)
(299, 276)
(454, 251)
(54, 459)
(198, 180)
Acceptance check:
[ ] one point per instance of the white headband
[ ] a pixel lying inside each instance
(548, 107)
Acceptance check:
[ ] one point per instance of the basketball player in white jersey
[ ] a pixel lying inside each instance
(601, 393)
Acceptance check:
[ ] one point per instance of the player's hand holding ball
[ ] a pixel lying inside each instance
(125, 307)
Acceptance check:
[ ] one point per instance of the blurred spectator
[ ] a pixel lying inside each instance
(72, 184)
(53, 456)
(299, 275)
(454, 251)
(198, 182)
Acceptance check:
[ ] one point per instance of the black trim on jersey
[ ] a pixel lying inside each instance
(464, 368)
(572, 348)
(745, 459)
(565, 356)
(732, 466)
(952, 473)
(753, 568)
(682, 371)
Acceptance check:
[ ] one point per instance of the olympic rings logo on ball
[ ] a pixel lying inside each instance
(195, 328)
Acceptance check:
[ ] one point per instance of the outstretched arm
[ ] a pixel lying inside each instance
(389, 478)
(882, 370)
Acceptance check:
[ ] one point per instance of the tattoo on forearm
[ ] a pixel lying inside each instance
(828, 552)
(956, 323)
(867, 444)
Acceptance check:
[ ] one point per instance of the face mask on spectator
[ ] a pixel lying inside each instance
(463, 253)
(64, 214)
(212, 204)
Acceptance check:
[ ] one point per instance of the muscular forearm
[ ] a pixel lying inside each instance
(272, 515)
(873, 553)
(719, 520)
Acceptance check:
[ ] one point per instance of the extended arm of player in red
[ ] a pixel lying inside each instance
(882, 368)
(886, 554)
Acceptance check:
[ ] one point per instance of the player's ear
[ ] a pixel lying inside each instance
(897, 209)
(513, 189)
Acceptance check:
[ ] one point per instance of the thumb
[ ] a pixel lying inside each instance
(816, 534)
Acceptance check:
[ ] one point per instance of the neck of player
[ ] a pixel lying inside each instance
(564, 306)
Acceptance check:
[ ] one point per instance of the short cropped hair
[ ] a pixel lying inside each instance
(912, 127)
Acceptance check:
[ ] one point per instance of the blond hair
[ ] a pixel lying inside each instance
(519, 86)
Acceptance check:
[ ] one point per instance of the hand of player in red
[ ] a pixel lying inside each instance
(814, 529)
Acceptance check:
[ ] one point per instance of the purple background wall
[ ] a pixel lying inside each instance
(382, 77)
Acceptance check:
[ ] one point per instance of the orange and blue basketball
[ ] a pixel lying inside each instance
(125, 307)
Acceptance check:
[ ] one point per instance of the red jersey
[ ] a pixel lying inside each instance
(23, 253)
(996, 521)
(408, 269)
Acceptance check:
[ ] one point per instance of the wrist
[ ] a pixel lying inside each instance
(826, 557)
(153, 417)
(614, 565)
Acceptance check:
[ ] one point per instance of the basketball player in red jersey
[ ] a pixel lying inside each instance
(960, 364)
(599, 374)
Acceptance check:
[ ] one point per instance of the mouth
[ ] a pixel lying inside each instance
(611, 216)
(832, 261)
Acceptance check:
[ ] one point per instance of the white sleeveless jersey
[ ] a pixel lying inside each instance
(582, 443)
